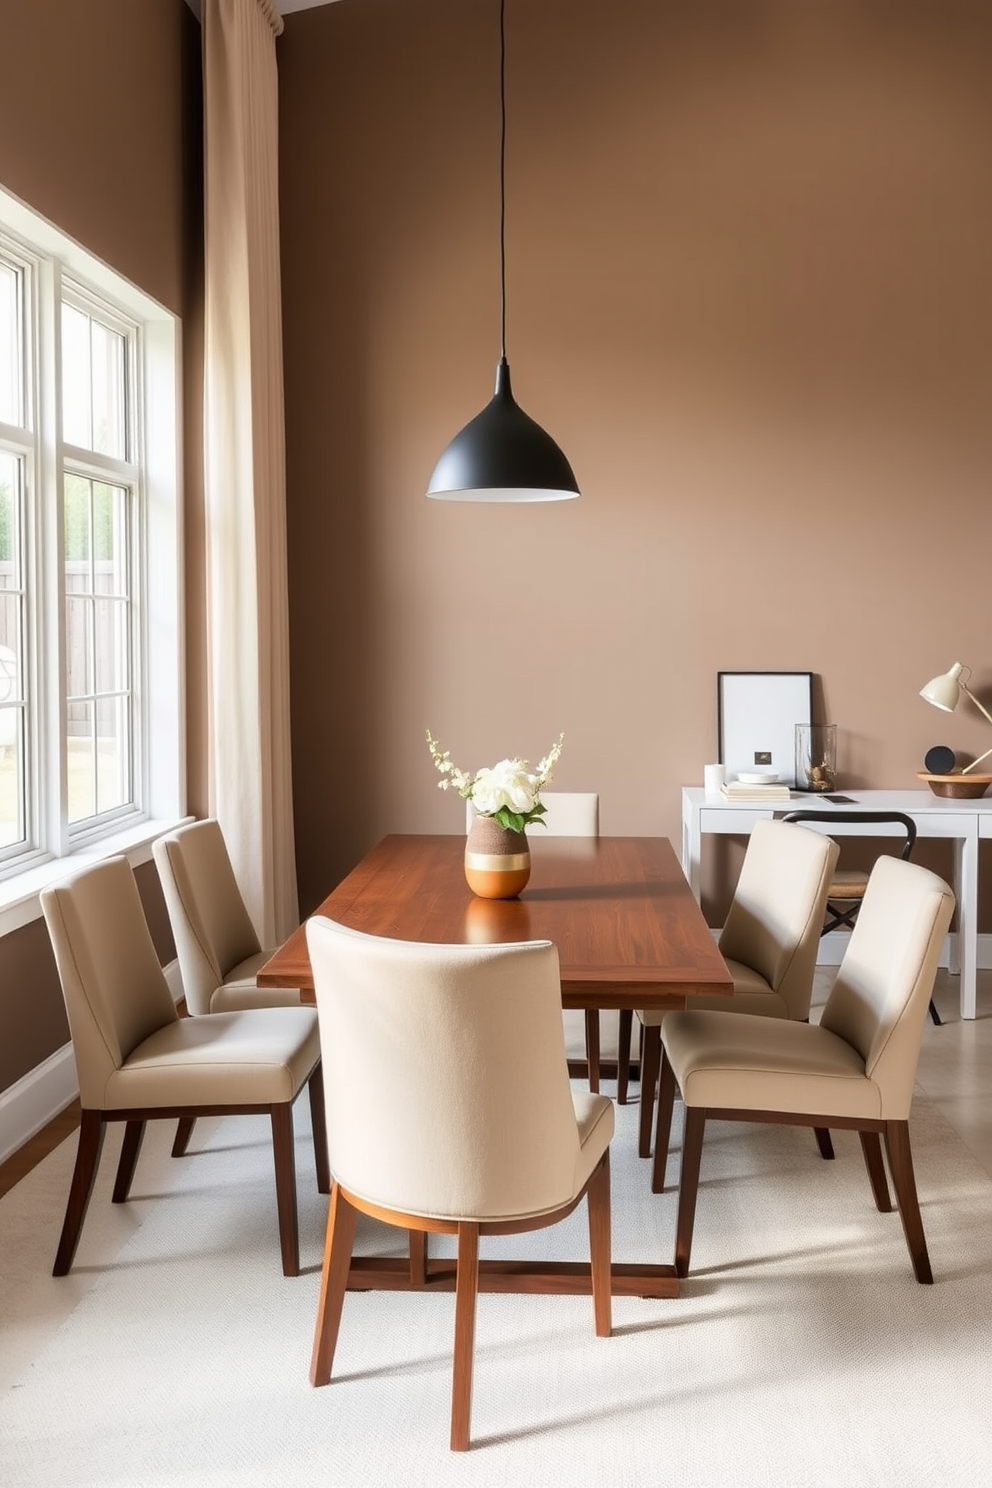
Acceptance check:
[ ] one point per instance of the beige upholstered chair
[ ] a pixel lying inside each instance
(568, 814)
(137, 1059)
(451, 1124)
(854, 1069)
(847, 889)
(571, 813)
(769, 941)
(218, 949)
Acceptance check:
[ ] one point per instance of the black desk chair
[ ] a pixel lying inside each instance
(847, 888)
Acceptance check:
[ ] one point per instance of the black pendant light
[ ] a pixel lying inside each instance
(502, 454)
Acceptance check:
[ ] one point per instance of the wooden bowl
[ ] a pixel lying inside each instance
(957, 787)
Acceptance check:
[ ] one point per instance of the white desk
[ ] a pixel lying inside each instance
(963, 822)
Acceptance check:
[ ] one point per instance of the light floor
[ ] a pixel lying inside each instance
(955, 1069)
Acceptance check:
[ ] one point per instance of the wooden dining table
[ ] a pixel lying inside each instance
(629, 934)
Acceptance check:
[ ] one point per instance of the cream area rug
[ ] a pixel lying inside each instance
(801, 1353)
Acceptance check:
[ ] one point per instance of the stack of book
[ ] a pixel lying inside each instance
(740, 790)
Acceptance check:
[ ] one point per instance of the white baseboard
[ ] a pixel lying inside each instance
(36, 1099)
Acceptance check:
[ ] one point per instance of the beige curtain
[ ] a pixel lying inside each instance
(250, 778)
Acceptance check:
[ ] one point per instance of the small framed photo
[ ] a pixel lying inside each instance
(757, 713)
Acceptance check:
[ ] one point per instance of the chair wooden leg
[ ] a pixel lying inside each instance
(466, 1289)
(285, 1165)
(592, 1048)
(418, 1258)
(650, 1065)
(904, 1183)
(134, 1131)
(184, 1130)
(824, 1142)
(692, 1151)
(338, 1243)
(600, 1247)
(625, 1030)
(663, 1131)
(318, 1121)
(91, 1131)
(871, 1146)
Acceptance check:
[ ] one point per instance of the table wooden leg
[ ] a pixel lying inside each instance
(592, 1047)
(650, 1067)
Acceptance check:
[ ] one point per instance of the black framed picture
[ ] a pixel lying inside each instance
(757, 713)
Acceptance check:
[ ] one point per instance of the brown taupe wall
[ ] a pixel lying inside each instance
(748, 251)
(100, 132)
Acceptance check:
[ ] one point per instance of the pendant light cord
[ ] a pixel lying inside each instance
(502, 182)
(502, 454)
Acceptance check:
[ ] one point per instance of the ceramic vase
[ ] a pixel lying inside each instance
(497, 860)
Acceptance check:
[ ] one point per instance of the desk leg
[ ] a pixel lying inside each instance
(692, 849)
(965, 959)
(954, 940)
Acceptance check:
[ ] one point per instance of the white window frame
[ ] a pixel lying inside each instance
(159, 765)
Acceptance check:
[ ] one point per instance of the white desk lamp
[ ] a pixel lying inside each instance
(944, 692)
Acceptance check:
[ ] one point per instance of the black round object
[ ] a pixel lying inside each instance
(940, 760)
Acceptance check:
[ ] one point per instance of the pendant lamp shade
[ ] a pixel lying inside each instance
(502, 454)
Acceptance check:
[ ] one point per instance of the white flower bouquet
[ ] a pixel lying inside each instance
(509, 791)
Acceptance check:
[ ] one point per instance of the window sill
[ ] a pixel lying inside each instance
(20, 901)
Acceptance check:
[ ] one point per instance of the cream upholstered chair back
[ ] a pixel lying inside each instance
(568, 814)
(211, 926)
(879, 1000)
(435, 1105)
(115, 991)
(776, 915)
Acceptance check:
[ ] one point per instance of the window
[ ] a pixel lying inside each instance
(91, 753)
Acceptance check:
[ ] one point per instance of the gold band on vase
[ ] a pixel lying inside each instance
(497, 862)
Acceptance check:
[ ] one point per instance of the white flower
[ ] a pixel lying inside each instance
(510, 784)
(510, 791)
